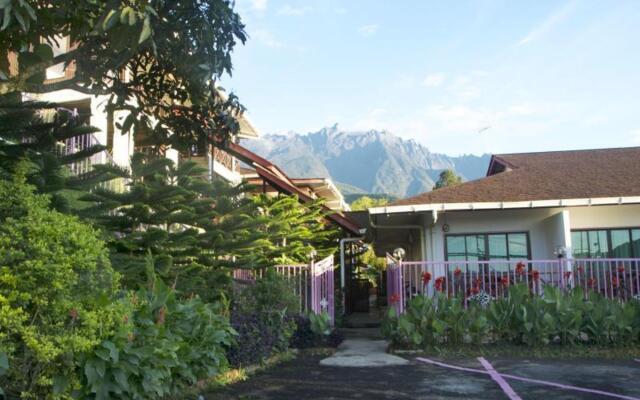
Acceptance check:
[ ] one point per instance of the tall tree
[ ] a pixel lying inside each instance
(43, 136)
(155, 60)
(193, 228)
(447, 178)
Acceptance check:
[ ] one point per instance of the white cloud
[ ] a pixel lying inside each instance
(368, 30)
(289, 10)
(265, 37)
(557, 16)
(259, 5)
(433, 80)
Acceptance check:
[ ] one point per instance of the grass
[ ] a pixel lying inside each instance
(543, 352)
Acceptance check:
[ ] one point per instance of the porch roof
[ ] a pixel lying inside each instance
(279, 180)
(546, 179)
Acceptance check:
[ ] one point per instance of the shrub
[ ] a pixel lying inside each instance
(568, 318)
(263, 315)
(56, 286)
(162, 346)
(313, 331)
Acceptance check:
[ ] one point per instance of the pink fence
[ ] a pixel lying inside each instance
(313, 284)
(613, 278)
(322, 288)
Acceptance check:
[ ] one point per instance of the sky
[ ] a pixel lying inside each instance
(485, 76)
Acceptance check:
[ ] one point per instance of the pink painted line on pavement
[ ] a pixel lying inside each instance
(506, 388)
(528, 380)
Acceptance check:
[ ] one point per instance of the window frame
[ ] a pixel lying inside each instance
(609, 241)
(486, 244)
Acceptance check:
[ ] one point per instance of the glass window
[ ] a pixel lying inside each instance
(492, 246)
(598, 244)
(602, 243)
(580, 241)
(475, 247)
(518, 246)
(498, 247)
(456, 249)
(620, 243)
(635, 242)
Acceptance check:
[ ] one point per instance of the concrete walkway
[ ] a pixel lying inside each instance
(363, 352)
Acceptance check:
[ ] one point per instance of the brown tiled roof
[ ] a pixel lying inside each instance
(279, 180)
(554, 175)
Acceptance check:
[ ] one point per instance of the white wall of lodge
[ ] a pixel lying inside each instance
(549, 228)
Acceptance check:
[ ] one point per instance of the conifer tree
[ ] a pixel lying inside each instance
(295, 230)
(41, 134)
(196, 230)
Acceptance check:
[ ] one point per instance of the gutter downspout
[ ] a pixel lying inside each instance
(420, 229)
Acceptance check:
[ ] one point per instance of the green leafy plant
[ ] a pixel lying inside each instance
(264, 316)
(520, 318)
(56, 290)
(320, 323)
(162, 346)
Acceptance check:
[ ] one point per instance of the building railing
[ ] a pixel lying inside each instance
(312, 283)
(614, 278)
(79, 168)
(225, 159)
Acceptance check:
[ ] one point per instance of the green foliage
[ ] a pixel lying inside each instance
(294, 230)
(320, 324)
(447, 178)
(33, 133)
(374, 266)
(264, 316)
(162, 346)
(195, 229)
(566, 318)
(56, 284)
(169, 49)
(366, 202)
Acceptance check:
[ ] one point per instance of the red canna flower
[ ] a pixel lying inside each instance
(457, 272)
(426, 277)
(475, 290)
(394, 298)
(439, 284)
(535, 274)
(505, 281)
(621, 269)
(520, 268)
(591, 282)
(615, 281)
(580, 269)
(567, 275)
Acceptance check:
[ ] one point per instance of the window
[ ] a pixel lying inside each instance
(488, 246)
(606, 243)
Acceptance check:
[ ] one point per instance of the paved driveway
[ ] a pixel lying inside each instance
(305, 378)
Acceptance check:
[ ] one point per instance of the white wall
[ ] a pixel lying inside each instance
(122, 144)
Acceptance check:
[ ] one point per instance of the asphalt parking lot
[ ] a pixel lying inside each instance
(305, 378)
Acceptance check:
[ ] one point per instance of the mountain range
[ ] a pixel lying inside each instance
(374, 161)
